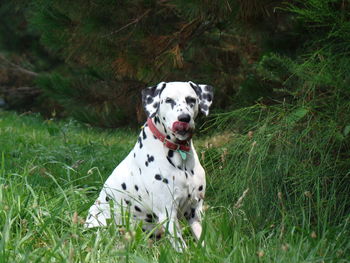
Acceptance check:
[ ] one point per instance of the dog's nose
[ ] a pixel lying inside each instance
(184, 118)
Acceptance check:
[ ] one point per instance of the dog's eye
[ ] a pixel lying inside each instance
(168, 100)
(190, 100)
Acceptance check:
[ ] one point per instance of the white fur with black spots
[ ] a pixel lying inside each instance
(154, 183)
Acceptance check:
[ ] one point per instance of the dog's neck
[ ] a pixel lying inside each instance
(178, 155)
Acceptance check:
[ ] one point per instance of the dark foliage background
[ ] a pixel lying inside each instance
(90, 59)
(105, 52)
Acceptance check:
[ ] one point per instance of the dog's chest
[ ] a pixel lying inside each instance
(181, 187)
(165, 172)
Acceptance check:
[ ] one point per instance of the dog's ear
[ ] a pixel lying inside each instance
(205, 94)
(150, 99)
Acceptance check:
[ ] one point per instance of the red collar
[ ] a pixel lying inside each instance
(182, 145)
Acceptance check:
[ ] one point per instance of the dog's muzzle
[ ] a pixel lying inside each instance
(181, 128)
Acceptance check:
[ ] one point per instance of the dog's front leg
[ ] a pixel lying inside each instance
(196, 227)
(195, 223)
(172, 227)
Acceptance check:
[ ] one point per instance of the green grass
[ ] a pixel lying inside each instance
(51, 173)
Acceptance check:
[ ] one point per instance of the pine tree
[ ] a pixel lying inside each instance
(116, 48)
(21, 59)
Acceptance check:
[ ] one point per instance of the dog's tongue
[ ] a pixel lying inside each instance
(179, 126)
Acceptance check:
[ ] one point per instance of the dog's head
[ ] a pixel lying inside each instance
(177, 104)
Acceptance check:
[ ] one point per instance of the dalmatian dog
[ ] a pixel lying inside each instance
(161, 180)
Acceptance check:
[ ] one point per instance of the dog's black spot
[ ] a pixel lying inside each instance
(192, 172)
(159, 90)
(163, 118)
(140, 198)
(203, 106)
(107, 198)
(156, 120)
(170, 161)
(89, 216)
(207, 96)
(136, 187)
(140, 142)
(149, 100)
(137, 208)
(127, 201)
(208, 88)
(147, 192)
(151, 218)
(200, 188)
(179, 167)
(140, 171)
(154, 137)
(185, 168)
(124, 186)
(189, 196)
(171, 102)
(164, 128)
(190, 100)
(193, 212)
(148, 91)
(134, 155)
(155, 105)
(170, 153)
(144, 136)
(168, 137)
(196, 88)
(158, 177)
(186, 175)
(150, 158)
(165, 181)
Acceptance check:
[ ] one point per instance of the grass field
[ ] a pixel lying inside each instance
(51, 172)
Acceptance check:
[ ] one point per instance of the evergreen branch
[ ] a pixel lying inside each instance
(185, 35)
(135, 21)
(176, 36)
(13, 66)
